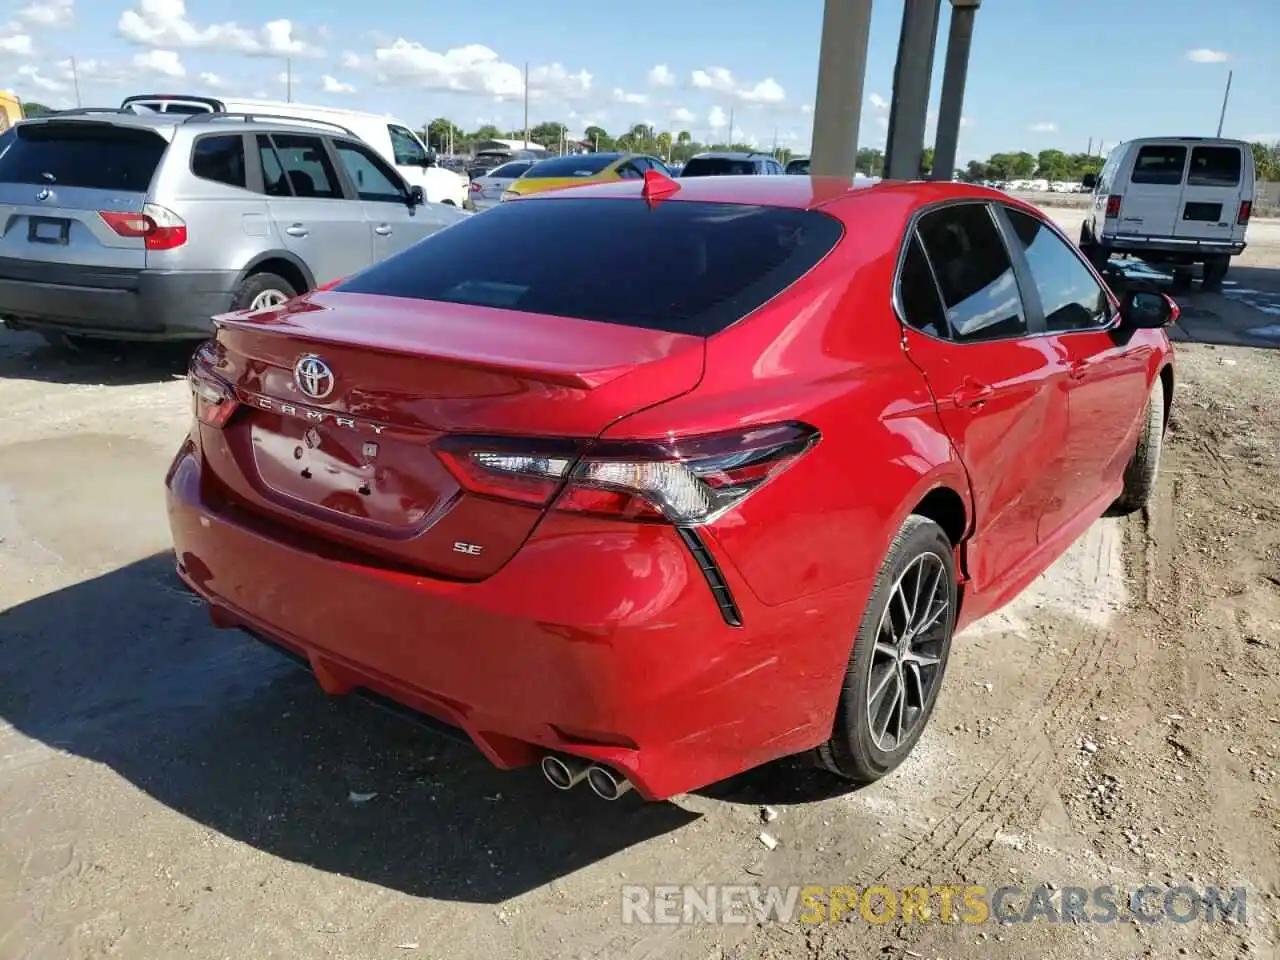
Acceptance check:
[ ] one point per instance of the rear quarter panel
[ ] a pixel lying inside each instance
(827, 352)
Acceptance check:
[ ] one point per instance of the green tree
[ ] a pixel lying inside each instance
(1024, 164)
(598, 138)
(870, 161)
(663, 142)
(977, 171)
(547, 134)
(441, 131)
(926, 161)
(1266, 160)
(487, 132)
(1053, 165)
(31, 108)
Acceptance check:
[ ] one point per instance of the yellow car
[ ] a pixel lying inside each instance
(556, 173)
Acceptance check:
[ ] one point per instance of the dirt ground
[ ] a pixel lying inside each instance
(170, 790)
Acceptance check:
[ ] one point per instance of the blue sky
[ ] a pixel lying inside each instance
(1043, 74)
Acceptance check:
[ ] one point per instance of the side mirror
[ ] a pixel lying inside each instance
(1148, 310)
(1089, 181)
(429, 160)
(416, 197)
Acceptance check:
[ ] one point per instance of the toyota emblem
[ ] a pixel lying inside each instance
(313, 377)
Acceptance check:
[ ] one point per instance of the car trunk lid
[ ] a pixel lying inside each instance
(343, 396)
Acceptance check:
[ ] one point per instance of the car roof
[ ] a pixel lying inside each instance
(167, 124)
(1206, 140)
(732, 155)
(801, 192)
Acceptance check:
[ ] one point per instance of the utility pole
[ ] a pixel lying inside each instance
(1089, 152)
(1225, 97)
(730, 127)
(75, 80)
(526, 105)
(288, 79)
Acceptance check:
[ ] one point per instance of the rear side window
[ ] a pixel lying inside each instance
(918, 293)
(717, 167)
(1160, 164)
(220, 159)
(78, 154)
(297, 165)
(587, 165)
(1215, 167)
(975, 276)
(681, 267)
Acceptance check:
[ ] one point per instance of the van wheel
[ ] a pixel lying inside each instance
(448, 203)
(1182, 279)
(1215, 271)
(262, 291)
(899, 656)
(1140, 473)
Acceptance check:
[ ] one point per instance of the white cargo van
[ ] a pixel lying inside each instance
(393, 139)
(1176, 201)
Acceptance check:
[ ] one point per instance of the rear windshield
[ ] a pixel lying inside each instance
(716, 167)
(1160, 164)
(78, 154)
(586, 165)
(681, 266)
(800, 167)
(511, 170)
(1214, 167)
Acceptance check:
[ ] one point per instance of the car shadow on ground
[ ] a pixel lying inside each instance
(1244, 313)
(126, 671)
(25, 356)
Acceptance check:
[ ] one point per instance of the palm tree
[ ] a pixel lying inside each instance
(684, 137)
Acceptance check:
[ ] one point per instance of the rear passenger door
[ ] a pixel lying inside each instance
(1150, 202)
(999, 389)
(1211, 196)
(313, 216)
(395, 224)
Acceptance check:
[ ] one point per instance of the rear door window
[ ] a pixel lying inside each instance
(682, 267)
(220, 159)
(297, 165)
(99, 156)
(1215, 167)
(975, 275)
(716, 167)
(1160, 164)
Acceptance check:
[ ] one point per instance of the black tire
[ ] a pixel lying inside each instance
(1215, 271)
(257, 284)
(448, 203)
(1143, 467)
(852, 752)
(1182, 279)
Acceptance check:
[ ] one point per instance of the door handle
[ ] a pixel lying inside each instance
(1078, 370)
(383, 229)
(972, 394)
(296, 230)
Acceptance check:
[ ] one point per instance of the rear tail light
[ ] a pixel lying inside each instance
(1113, 206)
(684, 482)
(1246, 211)
(213, 399)
(475, 187)
(159, 227)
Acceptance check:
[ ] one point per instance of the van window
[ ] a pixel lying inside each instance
(1214, 167)
(1160, 164)
(406, 148)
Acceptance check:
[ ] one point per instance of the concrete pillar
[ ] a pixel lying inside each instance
(954, 73)
(837, 106)
(912, 78)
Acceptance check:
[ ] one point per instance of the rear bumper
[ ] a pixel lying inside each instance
(112, 303)
(598, 639)
(1172, 245)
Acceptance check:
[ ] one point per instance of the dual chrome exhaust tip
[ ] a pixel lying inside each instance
(565, 773)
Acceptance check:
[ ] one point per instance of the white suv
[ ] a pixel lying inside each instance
(1177, 201)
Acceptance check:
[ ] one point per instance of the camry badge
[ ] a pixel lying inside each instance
(313, 377)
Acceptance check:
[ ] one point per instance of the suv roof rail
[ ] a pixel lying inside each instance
(273, 117)
(86, 111)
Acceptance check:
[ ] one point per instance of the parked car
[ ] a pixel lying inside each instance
(1178, 201)
(712, 479)
(487, 190)
(798, 167)
(582, 169)
(394, 140)
(723, 163)
(142, 227)
(487, 160)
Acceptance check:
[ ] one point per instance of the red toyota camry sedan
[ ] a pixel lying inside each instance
(656, 481)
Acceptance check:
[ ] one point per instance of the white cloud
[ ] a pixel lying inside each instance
(164, 23)
(94, 71)
(806, 108)
(622, 96)
(661, 76)
(33, 76)
(879, 102)
(883, 122)
(333, 85)
(162, 62)
(475, 69)
(1204, 55)
(683, 115)
(1048, 126)
(211, 80)
(721, 80)
(1263, 138)
(717, 119)
(352, 61)
(50, 13)
(15, 44)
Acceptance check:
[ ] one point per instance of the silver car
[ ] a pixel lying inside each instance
(142, 227)
(486, 191)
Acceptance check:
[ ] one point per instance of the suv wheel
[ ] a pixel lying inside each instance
(899, 656)
(1215, 271)
(261, 291)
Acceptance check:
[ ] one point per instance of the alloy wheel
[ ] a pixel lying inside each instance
(267, 299)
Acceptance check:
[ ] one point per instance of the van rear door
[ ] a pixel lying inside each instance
(1151, 197)
(1210, 204)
